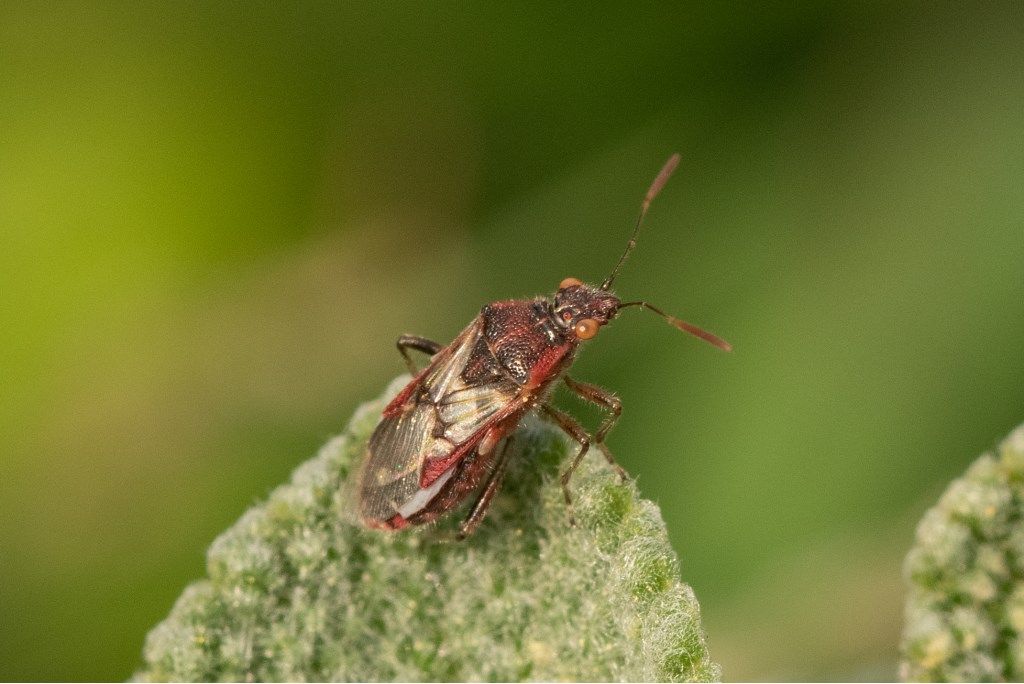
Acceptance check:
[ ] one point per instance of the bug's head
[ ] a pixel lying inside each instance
(583, 308)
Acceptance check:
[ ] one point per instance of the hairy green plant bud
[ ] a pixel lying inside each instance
(965, 611)
(296, 591)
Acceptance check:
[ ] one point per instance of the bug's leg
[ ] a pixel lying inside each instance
(576, 431)
(483, 502)
(407, 342)
(608, 401)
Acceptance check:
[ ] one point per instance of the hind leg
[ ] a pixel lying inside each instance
(483, 502)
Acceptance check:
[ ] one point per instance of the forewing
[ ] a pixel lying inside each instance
(416, 447)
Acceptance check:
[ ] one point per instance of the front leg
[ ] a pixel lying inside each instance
(611, 403)
(576, 431)
(407, 342)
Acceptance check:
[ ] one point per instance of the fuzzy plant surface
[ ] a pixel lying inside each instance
(965, 609)
(297, 591)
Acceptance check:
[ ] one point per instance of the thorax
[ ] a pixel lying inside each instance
(525, 343)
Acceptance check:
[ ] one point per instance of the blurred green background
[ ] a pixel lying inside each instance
(216, 219)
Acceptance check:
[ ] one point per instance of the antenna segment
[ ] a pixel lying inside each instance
(652, 192)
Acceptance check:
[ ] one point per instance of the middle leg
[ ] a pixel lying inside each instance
(576, 431)
(609, 402)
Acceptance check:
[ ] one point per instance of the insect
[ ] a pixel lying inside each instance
(438, 439)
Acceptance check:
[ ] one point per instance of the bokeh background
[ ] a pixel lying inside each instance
(215, 219)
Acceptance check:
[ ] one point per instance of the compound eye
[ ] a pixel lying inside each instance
(586, 328)
(569, 282)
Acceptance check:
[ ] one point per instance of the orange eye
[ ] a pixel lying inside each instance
(569, 282)
(586, 328)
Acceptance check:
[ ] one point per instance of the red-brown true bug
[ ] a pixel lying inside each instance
(437, 440)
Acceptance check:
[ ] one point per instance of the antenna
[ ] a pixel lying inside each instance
(652, 192)
(684, 326)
